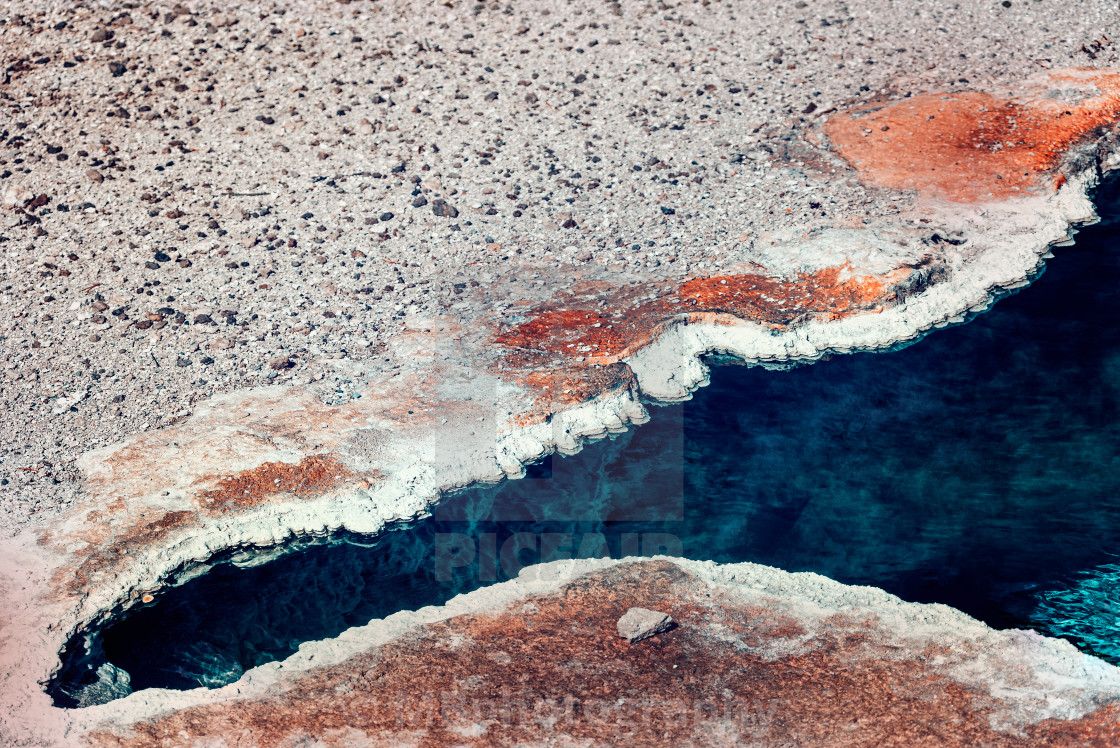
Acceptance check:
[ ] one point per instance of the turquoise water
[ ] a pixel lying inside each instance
(978, 468)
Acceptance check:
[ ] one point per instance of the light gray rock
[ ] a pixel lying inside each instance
(112, 683)
(642, 623)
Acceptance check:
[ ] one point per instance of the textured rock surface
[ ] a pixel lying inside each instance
(641, 623)
(761, 657)
(275, 269)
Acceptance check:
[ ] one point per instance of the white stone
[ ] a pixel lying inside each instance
(642, 623)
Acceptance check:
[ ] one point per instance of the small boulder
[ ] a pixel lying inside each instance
(642, 623)
(16, 196)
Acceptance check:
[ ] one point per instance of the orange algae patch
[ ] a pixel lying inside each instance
(782, 302)
(973, 146)
(310, 477)
(573, 385)
(603, 336)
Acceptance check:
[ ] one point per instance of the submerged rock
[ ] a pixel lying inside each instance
(207, 665)
(112, 683)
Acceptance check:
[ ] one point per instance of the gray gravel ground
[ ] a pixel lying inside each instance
(206, 197)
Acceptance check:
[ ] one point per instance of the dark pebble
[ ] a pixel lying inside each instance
(161, 257)
(386, 216)
(183, 362)
(117, 69)
(667, 211)
(419, 202)
(443, 209)
(203, 319)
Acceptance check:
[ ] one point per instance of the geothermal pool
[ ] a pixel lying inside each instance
(979, 468)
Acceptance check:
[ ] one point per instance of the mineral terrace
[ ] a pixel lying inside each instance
(272, 268)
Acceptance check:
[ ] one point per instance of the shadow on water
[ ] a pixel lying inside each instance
(979, 468)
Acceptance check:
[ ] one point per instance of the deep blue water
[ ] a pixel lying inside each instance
(978, 468)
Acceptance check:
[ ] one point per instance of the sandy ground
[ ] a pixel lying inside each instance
(216, 196)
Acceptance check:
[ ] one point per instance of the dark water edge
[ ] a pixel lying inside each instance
(979, 468)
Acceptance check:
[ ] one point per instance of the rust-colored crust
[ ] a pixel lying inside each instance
(973, 146)
(113, 537)
(310, 477)
(552, 668)
(562, 388)
(104, 558)
(606, 333)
